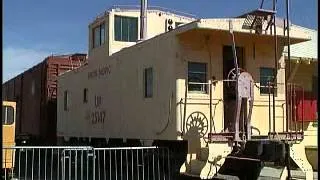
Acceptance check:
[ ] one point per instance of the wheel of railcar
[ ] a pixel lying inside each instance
(197, 121)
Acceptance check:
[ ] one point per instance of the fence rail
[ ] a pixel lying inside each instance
(86, 163)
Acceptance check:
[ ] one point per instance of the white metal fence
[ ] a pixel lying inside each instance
(86, 163)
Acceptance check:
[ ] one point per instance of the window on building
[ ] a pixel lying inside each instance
(266, 78)
(7, 115)
(197, 77)
(99, 35)
(85, 95)
(148, 82)
(125, 28)
(66, 101)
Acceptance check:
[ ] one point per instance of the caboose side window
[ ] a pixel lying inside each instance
(125, 28)
(98, 35)
(148, 82)
(266, 77)
(7, 115)
(197, 77)
(66, 100)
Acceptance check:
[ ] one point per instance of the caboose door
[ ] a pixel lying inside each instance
(229, 92)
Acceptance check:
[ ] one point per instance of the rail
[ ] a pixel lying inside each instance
(87, 163)
(291, 108)
(292, 129)
(159, 8)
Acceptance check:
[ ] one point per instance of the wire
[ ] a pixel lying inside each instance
(169, 115)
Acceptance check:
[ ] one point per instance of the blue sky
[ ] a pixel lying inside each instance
(36, 29)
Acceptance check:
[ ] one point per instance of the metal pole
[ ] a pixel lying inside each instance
(287, 159)
(235, 59)
(238, 101)
(275, 66)
(210, 106)
(295, 107)
(269, 94)
(302, 109)
(185, 106)
(261, 5)
(143, 20)
(289, 65)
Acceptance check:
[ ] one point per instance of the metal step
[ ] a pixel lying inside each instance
(298, 174)
(196, 167)
(203, 154)
(298, 155)
(271, 173)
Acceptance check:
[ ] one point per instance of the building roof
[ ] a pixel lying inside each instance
(157, 9)
(44, 61)
(305, 50)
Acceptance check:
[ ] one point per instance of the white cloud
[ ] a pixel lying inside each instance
(17, 60)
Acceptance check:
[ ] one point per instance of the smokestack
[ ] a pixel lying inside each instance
(143, 20)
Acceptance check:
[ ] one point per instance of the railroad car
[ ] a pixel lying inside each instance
(174, 90)
(34, 92)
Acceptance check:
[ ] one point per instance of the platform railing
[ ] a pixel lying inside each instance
(291, 122)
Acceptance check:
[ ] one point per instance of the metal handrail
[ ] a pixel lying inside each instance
(159, 8)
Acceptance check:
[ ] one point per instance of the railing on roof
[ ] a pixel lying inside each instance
(137, 7)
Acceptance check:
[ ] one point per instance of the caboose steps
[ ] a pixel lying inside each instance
(275, 173)
(207, 161)
(298, 155)
(265, 159)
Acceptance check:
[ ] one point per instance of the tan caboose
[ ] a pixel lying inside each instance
(175, 88)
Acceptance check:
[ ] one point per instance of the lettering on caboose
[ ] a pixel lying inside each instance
(101, 72)
(96, 115)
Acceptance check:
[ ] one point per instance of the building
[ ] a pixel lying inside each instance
(159, 89)
(35, 94)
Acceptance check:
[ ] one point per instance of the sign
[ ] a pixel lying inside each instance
(97, 115)
(101, 72)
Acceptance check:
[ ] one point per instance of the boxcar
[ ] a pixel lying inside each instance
(35, 93)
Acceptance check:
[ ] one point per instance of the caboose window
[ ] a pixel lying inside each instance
(66, 100)
(197, 77)
(266, 77)
(98, 35)
(7, 115)
(85, 95)
(125, 28)
(148, 82)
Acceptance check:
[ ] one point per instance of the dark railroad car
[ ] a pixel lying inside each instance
(35, 93)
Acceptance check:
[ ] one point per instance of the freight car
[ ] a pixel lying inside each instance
(35, 92)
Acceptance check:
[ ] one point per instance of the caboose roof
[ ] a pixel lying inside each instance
(297, 34)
